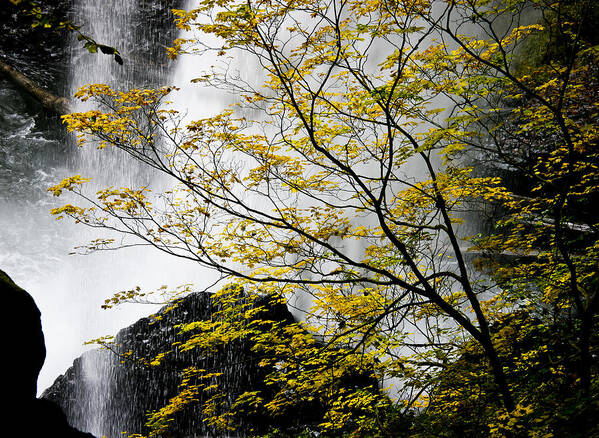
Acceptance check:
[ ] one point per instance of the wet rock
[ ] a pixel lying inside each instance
(108, 394)
(23, 343)
(39, 52)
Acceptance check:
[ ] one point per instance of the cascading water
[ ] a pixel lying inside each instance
(124, 26)
(35, 154)
(128, 26)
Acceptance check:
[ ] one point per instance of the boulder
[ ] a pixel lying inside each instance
(110, 393)
(24, 415)
(23, 340)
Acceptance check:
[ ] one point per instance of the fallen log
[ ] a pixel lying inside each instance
(50, 101)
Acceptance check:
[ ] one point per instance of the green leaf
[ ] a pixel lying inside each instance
(107, 50)
(91, 46)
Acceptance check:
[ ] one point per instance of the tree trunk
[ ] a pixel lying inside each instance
(50, 101)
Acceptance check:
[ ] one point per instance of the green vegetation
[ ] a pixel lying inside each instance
(40, 18)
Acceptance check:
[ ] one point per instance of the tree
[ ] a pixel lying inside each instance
(318, 196)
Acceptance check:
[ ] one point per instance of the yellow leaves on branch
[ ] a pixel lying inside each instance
(69, 210)
(125, 199)
(116, 120)
(71, 183)
(184, 18)
(133, 97)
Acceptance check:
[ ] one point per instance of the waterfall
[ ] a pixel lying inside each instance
(140, 30)
(35, 154)
(126, 26)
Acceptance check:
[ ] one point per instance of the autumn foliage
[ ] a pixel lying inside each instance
(378, 129)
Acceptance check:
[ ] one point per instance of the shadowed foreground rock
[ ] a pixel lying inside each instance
(107, 394)
(23, 415)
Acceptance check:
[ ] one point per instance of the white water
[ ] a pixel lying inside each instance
(115, 23)
(34, 247)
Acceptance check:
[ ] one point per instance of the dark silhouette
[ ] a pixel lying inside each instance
(24, 351)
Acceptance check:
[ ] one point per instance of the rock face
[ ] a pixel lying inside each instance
(38, 52)
(23, 344)
(107, 395)
(23, 338)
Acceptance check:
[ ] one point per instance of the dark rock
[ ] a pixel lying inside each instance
(23, 341)
(108, 394)
(38, 418)
(38, 52)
